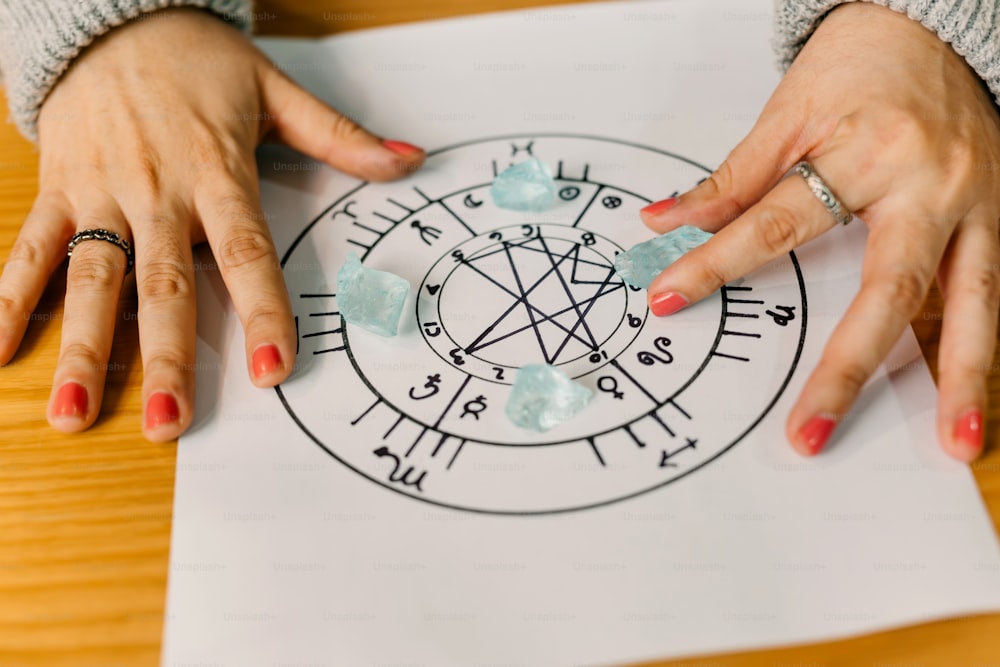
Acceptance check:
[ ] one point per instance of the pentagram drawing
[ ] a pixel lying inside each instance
(422, 414)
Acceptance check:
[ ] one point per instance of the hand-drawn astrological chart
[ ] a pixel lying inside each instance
(422, 414)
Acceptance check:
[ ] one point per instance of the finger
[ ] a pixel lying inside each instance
(164, 276)
(93, 284)
(787, 217)
(39, 248)
(310, 126)
(750, 171)
(970, 279)
(239, 237)
(901, 256)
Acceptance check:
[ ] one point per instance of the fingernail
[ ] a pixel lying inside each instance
(969, 429)
(667, 303)
(266, 359)
(659, 206)
(816, 432)
(161, 409)
(71, 400)
(401, 147)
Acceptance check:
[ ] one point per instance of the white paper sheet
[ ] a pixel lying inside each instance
(360, 516)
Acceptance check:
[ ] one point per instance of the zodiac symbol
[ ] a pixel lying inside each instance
(648, 358)
(431, 385)
(428, 233)
(474, 407)
(569, 193)
(782, 319)
(609, 385)
(345, 211)
(515, 149)
(665, 461)
(431, 329)
(394, 476)
(596, 357)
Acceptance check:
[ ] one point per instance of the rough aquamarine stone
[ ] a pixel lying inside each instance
(543, 396)
(643, 262)
(369, 298)
(526, 186)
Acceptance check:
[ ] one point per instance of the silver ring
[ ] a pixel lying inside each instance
(103, 235)
(824, 193)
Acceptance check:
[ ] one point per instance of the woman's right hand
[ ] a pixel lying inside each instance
(151, 135)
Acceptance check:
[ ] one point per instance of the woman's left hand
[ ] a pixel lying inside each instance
(908, 138)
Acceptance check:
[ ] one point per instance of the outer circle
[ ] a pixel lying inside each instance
(579, 507)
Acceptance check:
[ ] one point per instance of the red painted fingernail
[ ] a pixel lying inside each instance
(266, 359)
(161, 409)
(71, 400)
(816, 432)
(401, 147)
(969, 429)
(659, 206)
(667, 303)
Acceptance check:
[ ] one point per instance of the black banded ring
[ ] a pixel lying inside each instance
(103, 235)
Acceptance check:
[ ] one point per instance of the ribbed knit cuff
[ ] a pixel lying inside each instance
(969, 26)
(39, 39)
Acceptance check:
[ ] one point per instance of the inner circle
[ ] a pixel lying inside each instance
(527, 294)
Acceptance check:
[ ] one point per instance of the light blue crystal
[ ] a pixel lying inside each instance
(370, 299)
(543, 396)
(643, 262)
(526, 186)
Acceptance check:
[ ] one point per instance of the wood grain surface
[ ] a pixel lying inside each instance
(85, 519)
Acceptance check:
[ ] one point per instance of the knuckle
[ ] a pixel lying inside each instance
(710, 276)
(167, 363)
(266, 317)
(985, 280)
(848, 126)
(149, 212)
(233, 203)
(11, 307)
(82, 355)
(963, 156)
(244, 247)
(343, 127)
(215, 153)
(904, 290)
(721, 186)
(964, 373)
(26, 251)
(852, 376)
(899, 127)
(164, 280)
(961, 169)
(779, 230)
(94, 272)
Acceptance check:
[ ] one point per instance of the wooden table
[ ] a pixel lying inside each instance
(85, 519)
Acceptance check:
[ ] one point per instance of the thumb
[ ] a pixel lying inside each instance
(310, 126)
(750, 171)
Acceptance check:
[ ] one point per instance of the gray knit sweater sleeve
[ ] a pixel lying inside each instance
(39, 38)
(970, 26)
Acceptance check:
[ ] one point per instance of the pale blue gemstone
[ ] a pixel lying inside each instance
(543, 396)
(526, 186)
(369, 298)
(642, 263)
